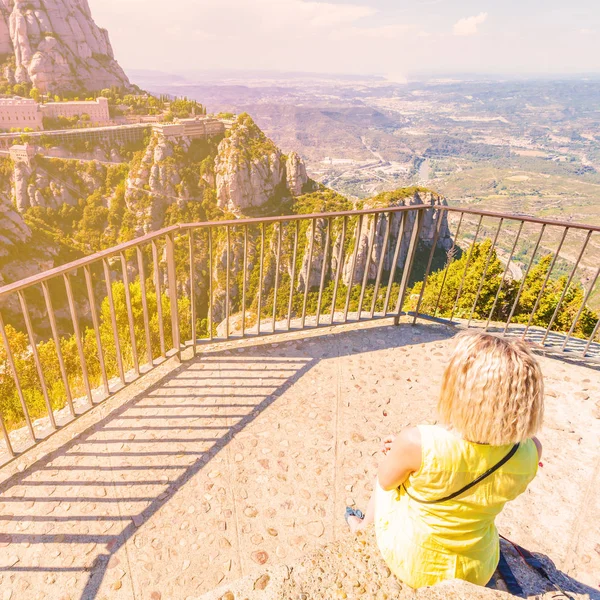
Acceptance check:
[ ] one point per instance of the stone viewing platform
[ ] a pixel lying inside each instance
(226, 477)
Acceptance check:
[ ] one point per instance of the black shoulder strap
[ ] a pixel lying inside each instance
(473, 483)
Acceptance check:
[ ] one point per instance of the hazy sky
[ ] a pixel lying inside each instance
(390, 37)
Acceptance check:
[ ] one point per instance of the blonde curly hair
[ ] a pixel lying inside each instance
(492, 390)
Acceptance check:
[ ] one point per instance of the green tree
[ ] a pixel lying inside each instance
(476, 257)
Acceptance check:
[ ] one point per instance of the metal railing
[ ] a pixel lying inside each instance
(74, 335)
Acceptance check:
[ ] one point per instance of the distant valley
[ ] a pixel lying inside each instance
(523, 145)
(516, 146)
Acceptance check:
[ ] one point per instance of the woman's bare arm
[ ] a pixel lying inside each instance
(403, 458)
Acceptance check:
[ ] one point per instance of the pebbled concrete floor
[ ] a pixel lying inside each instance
(244, 458)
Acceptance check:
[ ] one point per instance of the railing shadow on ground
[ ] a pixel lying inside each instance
(552, 345)
(188, 458)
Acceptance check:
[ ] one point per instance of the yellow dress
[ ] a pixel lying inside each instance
(424, 544)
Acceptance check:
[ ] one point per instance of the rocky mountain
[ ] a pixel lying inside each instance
(242, 173)
(156, 182)
(407, 197)
(56, 46)
(251, 171)
(375, 229)
(14, 230)
(51, 183)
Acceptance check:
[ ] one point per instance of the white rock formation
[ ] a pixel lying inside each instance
(426, 236)
(156, 183)
(33, 185)
(250, 170)
(296, 174)
(57, 46)
(13, 230)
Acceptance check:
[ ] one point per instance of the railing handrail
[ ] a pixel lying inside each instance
(109, 252)
(82, 262)
(387, 209)
(518, 217)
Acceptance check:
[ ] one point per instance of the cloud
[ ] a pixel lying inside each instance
(469, 25)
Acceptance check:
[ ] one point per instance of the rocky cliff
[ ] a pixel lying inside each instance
(57, 46)
(155, 182)
(50, 183)
(13, 230)
(375, 229)
(297, 178)
(251, 171)
(404, 197)
(240, 174)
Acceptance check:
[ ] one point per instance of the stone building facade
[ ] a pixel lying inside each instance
(96, 109)
(20, 113)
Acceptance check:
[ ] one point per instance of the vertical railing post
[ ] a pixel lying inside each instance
(244, 278)
(6, 437)
(308, 272)
(293, 274)
(512, 252)
(592, 338)
(436, 236)
(546, 279)
(365, 278)
(386, 236)
(78, 337)
(353, 267)
(323, 270)
(145, 314)
(450, 259)
(36, 357)
(338, 271)
(466, 269)
(484, 274)
(567, 285)
(158, 291)
(408, 263)
(96, 324)
(583, 304)
(193, 291)
(277, 267)
(260, 277)
(56, 338)
(15, 375)
(130, 320)
(113, 320)
(520, 291)
(394, 265)
(227, 279)
(210, 284)
(172, 279)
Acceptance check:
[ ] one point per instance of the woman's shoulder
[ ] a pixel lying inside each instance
(429, 432)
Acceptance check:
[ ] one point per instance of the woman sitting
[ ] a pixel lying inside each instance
(440, 487)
